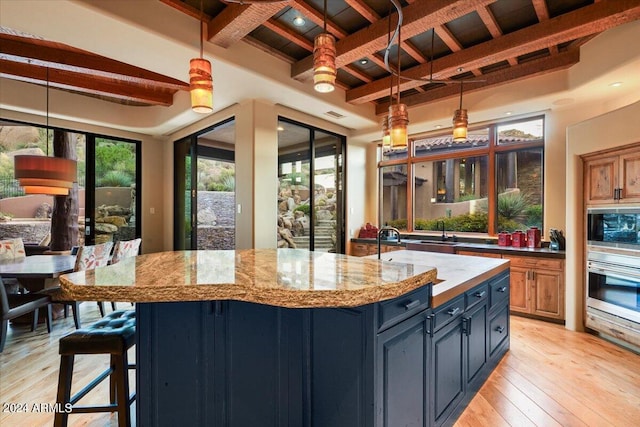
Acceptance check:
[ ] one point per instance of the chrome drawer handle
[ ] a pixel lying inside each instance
(502, 289)
(480, 294)
(453, 311)
(500, 329)
(411, 305)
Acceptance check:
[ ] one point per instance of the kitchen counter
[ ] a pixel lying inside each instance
(456, 273)
(292, 278)
(473, 246)
(292, 337)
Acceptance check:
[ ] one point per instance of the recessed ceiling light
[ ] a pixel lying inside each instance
(299, 21)
(616, 84)
(280, 128)
(438, 126)
(508, 113)
(364, 61)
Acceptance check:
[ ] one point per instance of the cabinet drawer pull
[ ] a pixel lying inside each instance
(453, 311)
(480, 294)
(411, 305)
(500, 329)
(502, 289)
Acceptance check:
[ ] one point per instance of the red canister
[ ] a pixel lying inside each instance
(533, 237)
(518, 239)
(504, 239)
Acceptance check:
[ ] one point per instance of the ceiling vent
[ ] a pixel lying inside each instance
(334, 115)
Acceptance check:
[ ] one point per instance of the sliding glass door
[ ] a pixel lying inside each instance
(204, 183)
(310, 188)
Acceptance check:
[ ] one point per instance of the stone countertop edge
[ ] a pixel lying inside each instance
(455, 274)
(371, 288)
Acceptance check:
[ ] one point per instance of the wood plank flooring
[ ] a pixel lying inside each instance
(550, 377)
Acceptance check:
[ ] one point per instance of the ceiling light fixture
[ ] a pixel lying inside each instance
(460, 121)
(324, 59)
(299, 21)
(43, 174)
(364, 61)
(200, 80)
(615, 84)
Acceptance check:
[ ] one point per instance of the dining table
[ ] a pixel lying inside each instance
(36, 272)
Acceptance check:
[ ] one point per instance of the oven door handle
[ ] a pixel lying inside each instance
(617, 273)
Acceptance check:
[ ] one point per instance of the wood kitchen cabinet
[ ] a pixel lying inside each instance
(364, 249)
(537, 286)
(612, 177)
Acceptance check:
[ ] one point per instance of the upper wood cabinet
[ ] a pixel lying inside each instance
(613, 177)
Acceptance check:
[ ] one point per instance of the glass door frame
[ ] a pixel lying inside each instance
(90, 183)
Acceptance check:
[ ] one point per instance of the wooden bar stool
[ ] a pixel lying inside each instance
(114, 334)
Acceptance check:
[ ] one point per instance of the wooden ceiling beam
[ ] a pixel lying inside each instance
(521, 71)
(86, 83)
(63, 57)
(417, 17)
(591, 19)
(491, 23)
(237, 20)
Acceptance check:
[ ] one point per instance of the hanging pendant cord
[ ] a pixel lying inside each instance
(388, 43)
(201, 44)
(325, 16)
(399, 41)
(47, 139)
(460, 95)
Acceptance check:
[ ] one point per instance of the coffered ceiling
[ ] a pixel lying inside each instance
(487, 42)
(484, 43)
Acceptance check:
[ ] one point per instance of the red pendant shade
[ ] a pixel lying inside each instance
(45, 175)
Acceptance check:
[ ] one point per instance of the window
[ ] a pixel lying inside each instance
(491, 182)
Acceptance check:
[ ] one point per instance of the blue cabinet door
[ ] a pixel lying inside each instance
(448, 383)
(475, 328)
(402, 374)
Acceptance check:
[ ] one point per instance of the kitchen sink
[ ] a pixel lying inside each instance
(433, 246)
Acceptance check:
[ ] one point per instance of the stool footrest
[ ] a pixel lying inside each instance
(92, 409)
(86, 389)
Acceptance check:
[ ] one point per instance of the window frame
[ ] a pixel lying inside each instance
(491, 150)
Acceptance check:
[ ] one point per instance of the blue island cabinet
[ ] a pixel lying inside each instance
(237, 364)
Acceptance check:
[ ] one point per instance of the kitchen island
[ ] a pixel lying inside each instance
(292, 337)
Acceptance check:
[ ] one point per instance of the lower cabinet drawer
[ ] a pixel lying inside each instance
(395, 310)
(447, 312)
(499, 290)
(499, 329)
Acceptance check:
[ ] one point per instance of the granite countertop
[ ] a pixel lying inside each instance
(291, 278)
(456, 273)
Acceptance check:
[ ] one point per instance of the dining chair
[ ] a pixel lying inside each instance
(15, 305)
(88, 258)
(12, 249)
(124, 249)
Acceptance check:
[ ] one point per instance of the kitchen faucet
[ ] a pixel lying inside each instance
(388, 229)
(444, 235)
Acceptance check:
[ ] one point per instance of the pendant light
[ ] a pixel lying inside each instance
(386, 134)
(460, 121)
(200, 81)
(43, 174)
(324, 59)
(398, 114)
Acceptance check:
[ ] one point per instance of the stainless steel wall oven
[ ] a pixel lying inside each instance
(613, 284)
(613, 272)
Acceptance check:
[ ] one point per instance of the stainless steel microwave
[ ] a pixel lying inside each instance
(614, 227)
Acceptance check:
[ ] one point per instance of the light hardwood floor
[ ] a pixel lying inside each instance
(550, 377)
